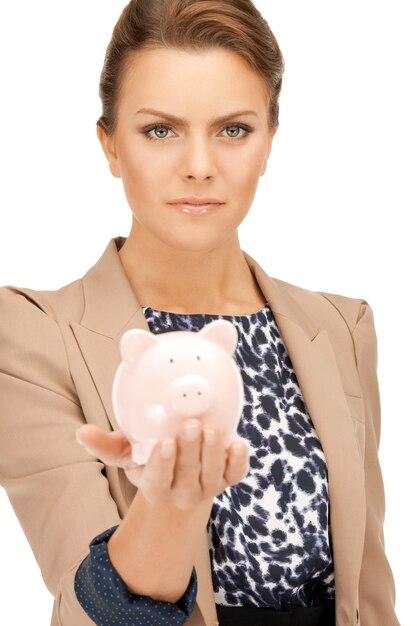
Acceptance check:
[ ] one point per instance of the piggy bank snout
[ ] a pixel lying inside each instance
(190, 394)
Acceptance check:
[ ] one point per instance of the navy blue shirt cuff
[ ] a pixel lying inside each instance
(106, 599)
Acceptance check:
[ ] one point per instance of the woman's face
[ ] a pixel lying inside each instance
(199, 157)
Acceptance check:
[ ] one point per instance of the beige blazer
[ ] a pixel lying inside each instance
(59, 351)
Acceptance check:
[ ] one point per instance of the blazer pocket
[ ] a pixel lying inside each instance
(356, 408)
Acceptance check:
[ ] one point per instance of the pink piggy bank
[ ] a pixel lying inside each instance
(167, 378)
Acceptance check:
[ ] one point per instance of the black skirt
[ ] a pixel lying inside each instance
(323, 614)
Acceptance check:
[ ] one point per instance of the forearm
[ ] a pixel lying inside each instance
(154, 547)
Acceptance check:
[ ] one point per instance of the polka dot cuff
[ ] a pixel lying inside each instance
(106, 599)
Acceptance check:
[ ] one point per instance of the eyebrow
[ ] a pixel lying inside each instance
(182, 122)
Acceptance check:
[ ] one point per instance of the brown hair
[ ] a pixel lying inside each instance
(191, 25)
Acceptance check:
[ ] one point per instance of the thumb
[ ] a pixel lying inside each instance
(87, 434)
(113, 448)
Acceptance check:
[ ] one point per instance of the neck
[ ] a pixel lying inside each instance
(216, 281)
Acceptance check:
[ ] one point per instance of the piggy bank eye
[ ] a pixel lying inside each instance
(172, 360)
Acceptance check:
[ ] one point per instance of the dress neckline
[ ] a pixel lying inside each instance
(188, 315)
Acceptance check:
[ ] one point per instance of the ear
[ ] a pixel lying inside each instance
(109, 149)
(268, 152)
(134, 343)
(222, 332)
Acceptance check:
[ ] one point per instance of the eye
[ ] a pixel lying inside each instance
(164, 128)
(246, 129)
(157, 128)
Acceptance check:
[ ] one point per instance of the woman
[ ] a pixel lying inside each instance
(289, 531)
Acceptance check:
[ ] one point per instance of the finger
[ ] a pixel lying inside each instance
(187, 470)
(113, 448)
(157, 476)
(237, 465)
(212, 461)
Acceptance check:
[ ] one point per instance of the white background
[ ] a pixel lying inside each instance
(334, 212)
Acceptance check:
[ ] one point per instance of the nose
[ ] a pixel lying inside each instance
(199, 160)
(190, 395)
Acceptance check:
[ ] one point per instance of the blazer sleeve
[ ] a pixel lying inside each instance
(376, 586)
(59, 492)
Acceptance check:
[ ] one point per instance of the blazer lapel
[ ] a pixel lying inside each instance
(318, 375)
(111, 308)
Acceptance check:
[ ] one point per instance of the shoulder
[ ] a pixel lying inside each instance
(324, 306)
(23, 304)
(31, 338)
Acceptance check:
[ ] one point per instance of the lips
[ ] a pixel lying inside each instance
(196, 209)
(196, 201)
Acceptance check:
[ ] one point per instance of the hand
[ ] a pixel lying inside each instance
(196, 472)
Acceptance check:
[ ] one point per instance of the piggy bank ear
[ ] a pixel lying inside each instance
(134, 342)
(223, 333)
